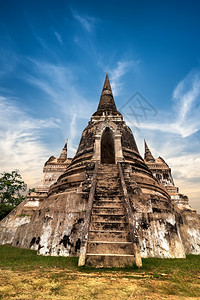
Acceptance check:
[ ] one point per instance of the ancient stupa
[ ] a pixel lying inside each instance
(107, 205)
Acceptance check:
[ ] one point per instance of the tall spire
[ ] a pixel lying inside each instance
(147, 155)
(63, 154)
(106, 102)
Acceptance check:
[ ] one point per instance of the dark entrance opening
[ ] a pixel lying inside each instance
(107, 147)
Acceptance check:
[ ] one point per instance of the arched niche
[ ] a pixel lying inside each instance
(107, 147)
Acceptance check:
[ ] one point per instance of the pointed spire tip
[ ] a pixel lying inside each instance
(148, 155)
(107, 102)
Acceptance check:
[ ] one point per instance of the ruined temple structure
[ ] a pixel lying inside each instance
(107, 205)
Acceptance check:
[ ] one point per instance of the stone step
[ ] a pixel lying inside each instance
(110, 236)
(105, 193)
(117, 189)
(108, 171)
(105, 174)
(111, 175)
(107, 226)
(108, 186)
(108, 180)
(108, 203)
(108, 218)
(109, 197)
(107, 167)
(104, 177)
(108, 210)
(98, 247)
(110, 260)
(110, 189)
(108, 200)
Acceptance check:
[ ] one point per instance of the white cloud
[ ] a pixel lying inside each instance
(179, 155)
(116, 74)
(191, 189)
(58, 83)
(73, 134)
(58, 37)
(171, 137)
(8, 60)
(20, 144)
(39, 39)
(184, 116)
(86, 22)
(187, 103)
(186, 166)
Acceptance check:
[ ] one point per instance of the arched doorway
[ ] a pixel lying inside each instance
(107, 147)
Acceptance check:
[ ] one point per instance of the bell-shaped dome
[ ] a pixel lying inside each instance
(106, 139)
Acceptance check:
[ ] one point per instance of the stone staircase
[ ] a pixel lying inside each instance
(109, 242)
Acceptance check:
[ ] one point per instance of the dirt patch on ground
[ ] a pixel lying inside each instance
(61, 284)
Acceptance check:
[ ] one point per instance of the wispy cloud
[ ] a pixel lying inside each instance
(183, 118)
(171, 135)
(86, 22)
(73, 134)
(41, 41)
(182, 157)
(187, 104)
(190, 169)
(8, 60)
(117, 73)
(58, 37)
(21, 146)
(58, 83)
(192, 189)
(186, 172)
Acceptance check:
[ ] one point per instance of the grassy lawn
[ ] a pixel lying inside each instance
(25, 275)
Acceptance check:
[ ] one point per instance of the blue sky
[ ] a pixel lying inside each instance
(53, 60)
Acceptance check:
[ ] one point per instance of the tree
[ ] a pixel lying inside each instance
(11, 191)
(5, 210)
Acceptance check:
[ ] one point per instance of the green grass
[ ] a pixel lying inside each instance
(23, 271)
(24, 259)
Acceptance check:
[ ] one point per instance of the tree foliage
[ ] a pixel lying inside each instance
(5, 209)
(11, 188)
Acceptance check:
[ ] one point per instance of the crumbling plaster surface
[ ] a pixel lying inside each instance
(189, 227)
(159, 235)
(16, 219)
(61, 231)
(157, 226)
(53, 229)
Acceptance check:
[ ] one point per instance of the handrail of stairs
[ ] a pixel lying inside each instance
(83, 249)
(133, 230)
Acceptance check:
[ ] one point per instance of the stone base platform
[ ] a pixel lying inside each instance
(110, 260)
